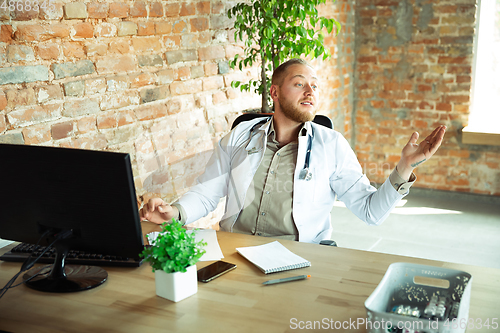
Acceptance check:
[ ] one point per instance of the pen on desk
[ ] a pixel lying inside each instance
(288, 279)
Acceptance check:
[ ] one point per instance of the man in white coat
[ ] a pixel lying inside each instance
(281, 174)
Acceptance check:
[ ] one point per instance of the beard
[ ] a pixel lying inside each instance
(292, 112)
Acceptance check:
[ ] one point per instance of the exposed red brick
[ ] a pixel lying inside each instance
(186, 87)
(466, 69)
(139, 9)
(73, 50)
(452, 60)
(35, 114)
(219, 97)
(372, 59)
(116, 64)
(156, 9)
(3, 100)
(87, 124)
(444, 9)
(146, 44)
(145, 28)
(48, 51)
(36, 134)
(457, 98)
(163, 27)
(62, 130)
(95, 142)
(84, 30)
(464, 79)
(141, 80)
(424, 87)
(5, 33)
(211, 69)
(187, 9)
(377, 104)
(151, 111)
(3, 123)
(172, 9)
(23, 14)
(120, 46)
(183, 73)
(119, 10)
(212, 52)
(30, 33)
(199, 24)
(205, 37)
(107, 120)
(203, 7)
(172, 41)
(179, 27)
(98, 10)
(52, 12)
(20, 97)
(96, 49)
(125, 117)
(218, 7)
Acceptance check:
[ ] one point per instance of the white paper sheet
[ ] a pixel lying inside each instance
(4, 242)
(208, 235)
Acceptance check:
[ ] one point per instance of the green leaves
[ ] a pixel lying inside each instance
(276, 30)
(174, 250)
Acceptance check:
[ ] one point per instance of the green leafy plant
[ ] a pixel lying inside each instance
(274, 31)
(174, 249)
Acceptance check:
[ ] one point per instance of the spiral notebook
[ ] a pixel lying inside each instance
(272, 257)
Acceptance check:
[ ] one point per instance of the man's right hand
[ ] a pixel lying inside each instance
(157, 211)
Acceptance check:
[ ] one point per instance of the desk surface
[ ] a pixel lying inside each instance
(342, 279)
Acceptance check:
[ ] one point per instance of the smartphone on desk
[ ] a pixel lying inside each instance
(214, 270)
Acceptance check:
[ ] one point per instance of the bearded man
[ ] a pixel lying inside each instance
(282, 174)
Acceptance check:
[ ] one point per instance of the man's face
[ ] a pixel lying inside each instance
(298, 95)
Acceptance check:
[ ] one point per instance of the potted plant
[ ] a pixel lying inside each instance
(276, 30)
(173, 256)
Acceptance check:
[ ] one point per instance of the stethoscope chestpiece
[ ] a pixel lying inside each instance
(305, 174)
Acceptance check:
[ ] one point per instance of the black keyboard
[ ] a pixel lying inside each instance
(23, 250)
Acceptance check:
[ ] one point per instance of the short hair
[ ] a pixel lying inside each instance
(280, 72)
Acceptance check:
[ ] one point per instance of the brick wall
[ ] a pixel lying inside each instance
(336, 74)
(413, 71)
(150, 78)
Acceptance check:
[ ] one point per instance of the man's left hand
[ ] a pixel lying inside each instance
(414, 154)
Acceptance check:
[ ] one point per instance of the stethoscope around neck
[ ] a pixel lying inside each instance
(305, 173)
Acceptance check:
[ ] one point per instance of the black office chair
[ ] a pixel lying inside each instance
(318, 119)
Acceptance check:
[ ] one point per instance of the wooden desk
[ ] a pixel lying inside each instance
(342, 279)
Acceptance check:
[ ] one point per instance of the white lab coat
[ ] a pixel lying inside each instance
(335, 169)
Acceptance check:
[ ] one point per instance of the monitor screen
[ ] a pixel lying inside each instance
(90, 193)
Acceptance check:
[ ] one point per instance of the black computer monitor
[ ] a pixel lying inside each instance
(89, 195)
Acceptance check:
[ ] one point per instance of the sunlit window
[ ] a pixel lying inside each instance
(485, 110)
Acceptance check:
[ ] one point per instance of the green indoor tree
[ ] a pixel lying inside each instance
(274, 31)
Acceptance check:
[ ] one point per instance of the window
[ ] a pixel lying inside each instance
(484, 119)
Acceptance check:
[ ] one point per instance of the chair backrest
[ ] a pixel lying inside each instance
(318, 119)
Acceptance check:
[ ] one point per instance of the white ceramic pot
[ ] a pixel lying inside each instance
(176, 286)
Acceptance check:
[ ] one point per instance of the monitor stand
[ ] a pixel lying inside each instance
(65, 279)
